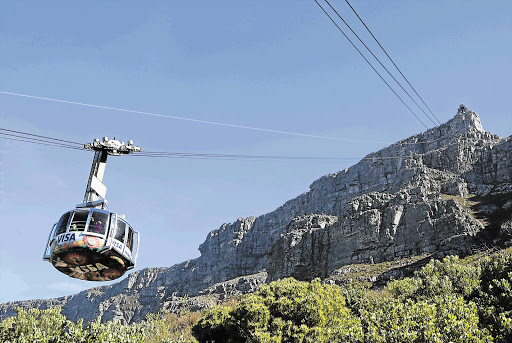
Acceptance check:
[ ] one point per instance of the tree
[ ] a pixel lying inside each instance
(494, 295)
(283, 311)
(36, 325)
(446, 319)
(438, 278)
(50, 326)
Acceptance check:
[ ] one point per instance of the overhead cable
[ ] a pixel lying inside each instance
(193, 120)
(50, 138)
(34, 141)
(375, 70)
(392, 61)
(378, 60)
(187, 155)
(50, 141)
(235, 156)
(275, 158)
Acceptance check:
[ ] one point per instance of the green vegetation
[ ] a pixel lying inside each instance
(50, 326)
(362, 273)
(284, 311)
(466, 202)
(446, 301)
(469, 203)
(452, 300)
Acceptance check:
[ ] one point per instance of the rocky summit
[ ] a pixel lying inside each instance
(444, 191)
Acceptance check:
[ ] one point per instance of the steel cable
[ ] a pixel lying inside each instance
(375, 70)
(378, 60)
(392, 60)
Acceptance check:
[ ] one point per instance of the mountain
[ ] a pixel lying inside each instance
(444, 191)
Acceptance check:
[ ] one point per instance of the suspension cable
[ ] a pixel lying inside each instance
(191, 119)
(392, 60)
(50, 141)
(375, 70)
(378, 60)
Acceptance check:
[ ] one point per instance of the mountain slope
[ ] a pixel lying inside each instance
(445, 191)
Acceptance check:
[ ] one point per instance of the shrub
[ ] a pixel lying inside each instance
(494, 296)
(283, 311)
(448, 319)
(168, 327)
(50, 326)
(37, 326)
(446, 301)
(438, 278)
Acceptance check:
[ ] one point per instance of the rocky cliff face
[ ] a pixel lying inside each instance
(445, 191)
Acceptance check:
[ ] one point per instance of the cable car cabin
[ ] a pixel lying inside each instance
(92, 244)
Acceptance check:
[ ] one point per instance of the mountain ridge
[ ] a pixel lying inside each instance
(443, 191)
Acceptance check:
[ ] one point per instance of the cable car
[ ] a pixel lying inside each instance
(91, 242)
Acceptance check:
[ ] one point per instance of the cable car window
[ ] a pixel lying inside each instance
(99, 221)
(112, 224)
(63, 223)
(121, 227)
(135, 245)
(129, 242)
(79, 220)
(47, 251)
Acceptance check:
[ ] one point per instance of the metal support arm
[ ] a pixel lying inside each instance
(96, 190)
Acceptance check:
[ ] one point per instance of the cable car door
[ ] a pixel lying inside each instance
(129, 243)
(119, 236)
(48, 250)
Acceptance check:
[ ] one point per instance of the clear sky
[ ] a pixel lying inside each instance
(279, 65)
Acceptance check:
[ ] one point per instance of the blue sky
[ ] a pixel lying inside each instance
(266, 64)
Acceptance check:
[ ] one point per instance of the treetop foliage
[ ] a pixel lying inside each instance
(446, 301)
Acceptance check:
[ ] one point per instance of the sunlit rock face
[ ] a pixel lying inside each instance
(445, 191)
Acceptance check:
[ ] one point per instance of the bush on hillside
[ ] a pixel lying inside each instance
(50, 326)
(39, 326)
(438, 278)
(494, 295)
(448, 300)
(447, 319)
(283, 311)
